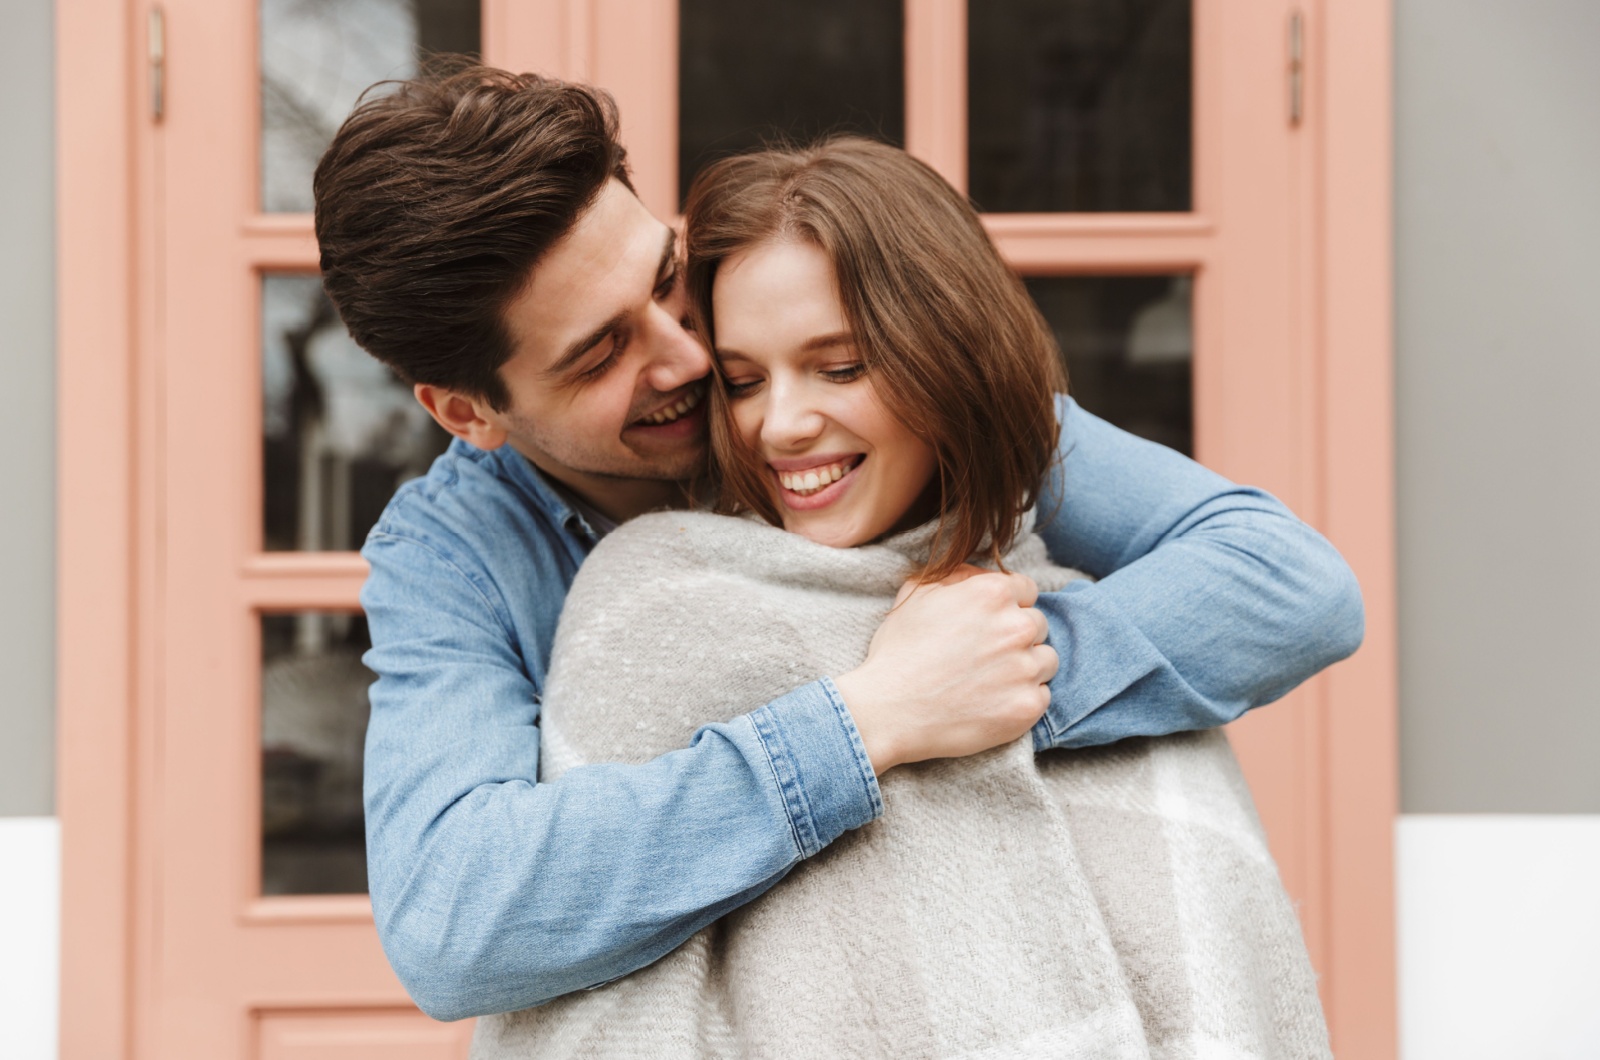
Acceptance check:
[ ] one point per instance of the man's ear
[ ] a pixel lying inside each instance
(467, 418)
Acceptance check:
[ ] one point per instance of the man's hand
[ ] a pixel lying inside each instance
(958, 667)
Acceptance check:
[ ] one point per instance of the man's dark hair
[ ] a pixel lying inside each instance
(436, 200)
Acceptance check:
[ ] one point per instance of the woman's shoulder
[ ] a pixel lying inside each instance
(747, 549)
(695, 537)
(660, 551)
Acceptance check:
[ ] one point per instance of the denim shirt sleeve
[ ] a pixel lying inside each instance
(493, 890)
(1213, 598)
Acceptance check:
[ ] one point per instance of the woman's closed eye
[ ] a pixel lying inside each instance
(739, 387)
(846, 373)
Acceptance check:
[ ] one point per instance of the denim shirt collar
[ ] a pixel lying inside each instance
(524, 472)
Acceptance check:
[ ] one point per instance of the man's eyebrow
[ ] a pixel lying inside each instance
(669, 256)
(574, 353)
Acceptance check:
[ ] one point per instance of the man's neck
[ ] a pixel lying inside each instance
(618, 499)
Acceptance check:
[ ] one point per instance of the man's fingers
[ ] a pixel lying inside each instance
(1048, 662)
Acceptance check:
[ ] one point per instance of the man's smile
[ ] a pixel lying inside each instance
(674, 409)
(681, 419)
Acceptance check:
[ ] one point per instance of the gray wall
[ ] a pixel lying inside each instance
(1498, 357)
(27, 425)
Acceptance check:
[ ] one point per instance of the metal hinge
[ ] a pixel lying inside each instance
(1297, 67)
(158, 64)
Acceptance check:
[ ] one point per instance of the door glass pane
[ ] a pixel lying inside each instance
(752, 69)
(340, 431)
(317, 56)
(313, 723)
(1128, 345)
(1079, 105)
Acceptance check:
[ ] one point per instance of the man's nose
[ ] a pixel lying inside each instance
(676, 356)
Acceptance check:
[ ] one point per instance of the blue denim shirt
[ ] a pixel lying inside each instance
(494, 891)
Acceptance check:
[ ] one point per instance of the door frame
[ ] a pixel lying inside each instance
(110, 532)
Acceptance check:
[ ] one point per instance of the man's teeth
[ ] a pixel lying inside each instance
(813, 479)
(672, 412)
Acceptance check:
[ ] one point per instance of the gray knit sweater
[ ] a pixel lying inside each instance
(1113, 903)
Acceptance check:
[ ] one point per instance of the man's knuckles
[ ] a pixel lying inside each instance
(1047, 662)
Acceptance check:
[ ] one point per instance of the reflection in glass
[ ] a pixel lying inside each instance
(752, 69)
(1079, 105)
(340, 431)
(318, 56)
(313, 723)
(1128, 345)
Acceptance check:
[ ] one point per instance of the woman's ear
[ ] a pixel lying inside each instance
(469, 419)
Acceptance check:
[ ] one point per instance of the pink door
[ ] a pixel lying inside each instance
(1159, 172)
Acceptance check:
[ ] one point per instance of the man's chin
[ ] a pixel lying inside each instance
(684, 464)
(690, 466)
(665, 457)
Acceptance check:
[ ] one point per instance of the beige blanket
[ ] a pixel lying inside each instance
(1115, 903)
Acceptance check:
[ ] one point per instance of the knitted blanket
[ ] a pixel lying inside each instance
(1113, 903)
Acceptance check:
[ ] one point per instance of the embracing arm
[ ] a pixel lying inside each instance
(1213, 598)
(494, 891)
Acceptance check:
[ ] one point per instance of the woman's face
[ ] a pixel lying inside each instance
(841, 468)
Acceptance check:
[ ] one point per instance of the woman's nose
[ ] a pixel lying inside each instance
(790, 421)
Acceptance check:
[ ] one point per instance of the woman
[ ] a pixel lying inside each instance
(885, 404)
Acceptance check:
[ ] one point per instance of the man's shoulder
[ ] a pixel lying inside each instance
(471, 504)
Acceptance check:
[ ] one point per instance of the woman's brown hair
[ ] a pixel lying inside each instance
(955, 347)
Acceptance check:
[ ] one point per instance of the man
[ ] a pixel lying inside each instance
(479, 235)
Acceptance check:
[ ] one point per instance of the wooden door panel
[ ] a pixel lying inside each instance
(357, 1034)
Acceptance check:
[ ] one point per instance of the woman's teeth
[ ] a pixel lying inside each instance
(813, 479)
(672, 412)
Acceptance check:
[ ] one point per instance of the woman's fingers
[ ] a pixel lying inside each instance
(1047, 661)
(955, 577)
(1025, 588)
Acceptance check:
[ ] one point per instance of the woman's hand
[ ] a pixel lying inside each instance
(959, 666)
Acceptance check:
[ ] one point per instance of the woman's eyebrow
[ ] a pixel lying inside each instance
(822, 342)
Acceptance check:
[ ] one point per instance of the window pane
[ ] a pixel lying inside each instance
(340, 431)
(1128, 345)
(749, 69)
(317, 56)
(313, 724)
(1079, 105)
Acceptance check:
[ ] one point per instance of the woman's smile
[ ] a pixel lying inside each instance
(808, 484)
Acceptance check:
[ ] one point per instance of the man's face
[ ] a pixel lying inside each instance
(606, 385)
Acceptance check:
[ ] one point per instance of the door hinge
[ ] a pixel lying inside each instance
(158, 64)
(1297, 67)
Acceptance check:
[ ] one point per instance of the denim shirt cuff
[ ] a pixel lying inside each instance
(820, 764)
(1082, 628)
